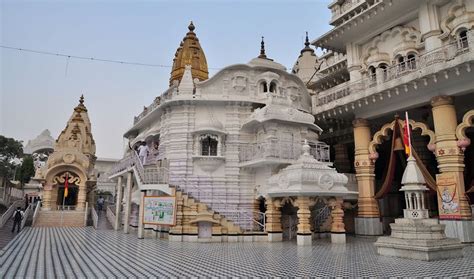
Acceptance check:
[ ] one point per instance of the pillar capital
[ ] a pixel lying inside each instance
(360, 122)
(442, 100)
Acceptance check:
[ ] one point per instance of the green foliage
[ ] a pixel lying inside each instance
(9, 149)
(26, 170)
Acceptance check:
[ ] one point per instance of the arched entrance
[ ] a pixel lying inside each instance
(60, 181)
(388, 152)
(289, 220)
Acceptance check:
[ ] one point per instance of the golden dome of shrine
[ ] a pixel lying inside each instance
(189, 52)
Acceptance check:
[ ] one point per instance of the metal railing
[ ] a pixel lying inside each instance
(111, 215)
(238, 215)
(26, 215)
(279, 150)
(320, 216)
(35, 214)
(95, 218)
(8, 214)
(66, 207)
(437, 56)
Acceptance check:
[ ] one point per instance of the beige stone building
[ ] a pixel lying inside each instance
(381, 59)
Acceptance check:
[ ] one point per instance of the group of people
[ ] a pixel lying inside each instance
(144, 151)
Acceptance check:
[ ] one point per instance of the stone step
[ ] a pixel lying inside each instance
(60, 219)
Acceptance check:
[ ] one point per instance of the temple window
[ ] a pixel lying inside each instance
(263, 87)
(411, 61)
(372, 73)
(273, 87)
(209, 145)
(462, 39)
(384, 68)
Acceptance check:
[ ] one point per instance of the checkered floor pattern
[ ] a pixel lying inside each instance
(86, 253)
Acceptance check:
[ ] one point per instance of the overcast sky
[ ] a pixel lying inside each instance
(39, 92)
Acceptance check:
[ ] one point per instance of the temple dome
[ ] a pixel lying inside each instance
(189, 52)
(263, 61)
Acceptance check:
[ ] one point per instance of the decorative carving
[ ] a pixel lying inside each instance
(467, 121)
(69, 158)
(72, 178)
(457, 17)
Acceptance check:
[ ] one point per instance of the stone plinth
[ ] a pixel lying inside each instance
(420, 239)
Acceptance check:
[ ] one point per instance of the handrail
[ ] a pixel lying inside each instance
(8, 214)
(25, 215)
(111, 215)
(95, 218)
(85, 214)
(35, 215)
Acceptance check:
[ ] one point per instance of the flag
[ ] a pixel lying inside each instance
(407, 135)
(66, 185)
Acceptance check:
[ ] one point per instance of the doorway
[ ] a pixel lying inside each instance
(71, 199)
(289, 221)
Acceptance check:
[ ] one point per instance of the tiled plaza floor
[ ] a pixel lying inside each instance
(84, 252)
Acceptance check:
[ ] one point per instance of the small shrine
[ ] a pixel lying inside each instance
(416, 236)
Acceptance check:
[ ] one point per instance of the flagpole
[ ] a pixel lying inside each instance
(62, 213)
(409, 133)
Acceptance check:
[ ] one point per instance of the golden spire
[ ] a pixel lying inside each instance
(189, 52)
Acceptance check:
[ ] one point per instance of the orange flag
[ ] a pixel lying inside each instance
(66, 185)
(407, 135)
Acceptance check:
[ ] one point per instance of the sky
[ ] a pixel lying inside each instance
(39, 92)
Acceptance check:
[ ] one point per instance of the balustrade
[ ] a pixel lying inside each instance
(287, 151)
(438, 56)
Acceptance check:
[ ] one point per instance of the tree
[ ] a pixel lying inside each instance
(26, 170)
(10, 149)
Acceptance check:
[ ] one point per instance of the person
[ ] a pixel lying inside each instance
(17, 217)
(143, 152)
(100, 203)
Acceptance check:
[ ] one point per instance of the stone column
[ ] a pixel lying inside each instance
(304, 234)
(46, 201)
(118, 205)
(341, 160)
(451, 161)
(273, 221)
(368, 220)
(338, 233)
(140, 215)
(128, 203)
(81, 197)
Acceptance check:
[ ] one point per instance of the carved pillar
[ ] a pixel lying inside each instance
(128, 203)
(337, 226)
(118, 205)
(367, 222)
(304, 234)
(140, 215)
(46, 202)
(81, 196)
(449, 156)
(341, 160)
(273, 222)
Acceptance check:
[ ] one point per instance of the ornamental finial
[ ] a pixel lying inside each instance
(306, 43)
(81, 99)
(262, 49)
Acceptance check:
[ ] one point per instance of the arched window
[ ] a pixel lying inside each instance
(400, 64)
(462, 39)
(411, 61)
(273, 87)
(209, 145)
(263, 87)
(372, 73)
(384, 68)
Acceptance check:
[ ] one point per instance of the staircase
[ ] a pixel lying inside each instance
(55, 218)
(152, 177)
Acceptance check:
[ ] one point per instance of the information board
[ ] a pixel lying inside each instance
(159, 210)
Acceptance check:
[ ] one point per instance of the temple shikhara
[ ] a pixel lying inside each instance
(257, 152)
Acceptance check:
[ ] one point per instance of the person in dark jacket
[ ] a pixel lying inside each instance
(17, 217)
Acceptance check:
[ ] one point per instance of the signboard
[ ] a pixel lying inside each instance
(448, 198)
(159, 210)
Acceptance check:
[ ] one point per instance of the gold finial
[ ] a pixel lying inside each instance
(262, 49)
(191, 26)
